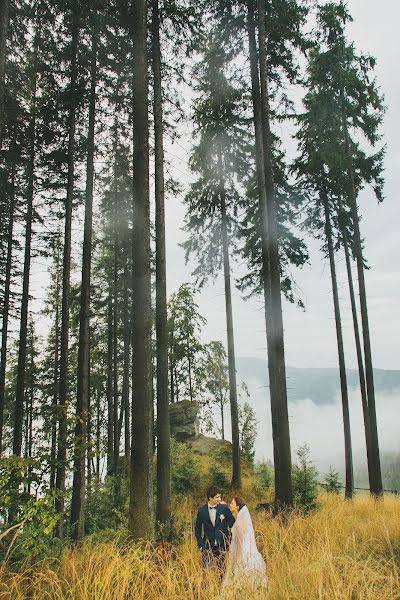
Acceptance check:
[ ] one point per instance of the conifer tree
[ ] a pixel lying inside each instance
(4, 27)
(215, 383)
(83, 371)
(10, 194)
(318, 143)
(51, 353)
(268, 62)
(163, 512)
(342, 93)
(75, 25)
(184, 345)
(22, 348)
(141, 513)
(219, 156)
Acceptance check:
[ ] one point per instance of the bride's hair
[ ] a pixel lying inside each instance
(239, 501)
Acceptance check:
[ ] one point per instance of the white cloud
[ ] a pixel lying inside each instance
(321, 427)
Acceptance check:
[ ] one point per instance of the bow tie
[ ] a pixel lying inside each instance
(212, 507)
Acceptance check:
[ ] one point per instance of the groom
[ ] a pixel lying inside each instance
(213, 523)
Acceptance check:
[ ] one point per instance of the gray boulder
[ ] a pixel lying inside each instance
(184, 421)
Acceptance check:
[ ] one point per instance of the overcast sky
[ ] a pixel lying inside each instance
(310, 335)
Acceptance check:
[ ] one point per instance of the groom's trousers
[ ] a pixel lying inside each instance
(214, 560)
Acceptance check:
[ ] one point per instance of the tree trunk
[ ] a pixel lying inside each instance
(125, 382)
(190, 377)
(64, 336)
(4, 22)
(29, 395)
(98, 436)
(141, 513)
(163, 510)
(342, 366)
(30, 398)
(110, 406)
(171, 365)
(360, 361)
(262, 197)
(22, 350)
(7, 284)
(223, 423)
(236, 482)
(54, 404)
(115, 349)
(83, 374)
(120, 420)
(376, 487)
(89, 450)
(274, 324)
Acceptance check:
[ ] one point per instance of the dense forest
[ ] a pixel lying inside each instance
(91, 96)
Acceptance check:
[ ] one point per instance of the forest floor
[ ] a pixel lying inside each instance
(344, 551)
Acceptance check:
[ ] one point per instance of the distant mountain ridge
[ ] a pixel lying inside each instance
(319, 385)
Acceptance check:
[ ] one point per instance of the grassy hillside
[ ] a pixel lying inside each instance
(345, 551)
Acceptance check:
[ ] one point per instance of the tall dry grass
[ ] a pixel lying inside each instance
(343, 551)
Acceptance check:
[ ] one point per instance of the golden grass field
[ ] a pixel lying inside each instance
(345, 551)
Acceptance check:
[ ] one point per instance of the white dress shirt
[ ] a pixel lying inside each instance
(213, 514)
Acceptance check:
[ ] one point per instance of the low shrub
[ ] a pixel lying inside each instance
(332, 483)
(305, 481)
(184, 469)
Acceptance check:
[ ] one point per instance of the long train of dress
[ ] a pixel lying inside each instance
(245, 565)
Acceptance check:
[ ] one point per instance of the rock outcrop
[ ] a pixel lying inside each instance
(205, 445)
(184, 421)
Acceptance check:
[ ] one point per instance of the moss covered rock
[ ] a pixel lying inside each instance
(184, 421)
(205, 445)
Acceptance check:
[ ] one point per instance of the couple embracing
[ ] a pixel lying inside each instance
(225, 536)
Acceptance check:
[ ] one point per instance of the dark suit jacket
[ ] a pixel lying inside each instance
(215, 538)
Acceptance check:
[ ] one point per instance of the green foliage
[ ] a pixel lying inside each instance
(263, 475)
(184, 346)
(102, 510)
(215, 386)
(184, 469)
(35, 540)
(16, 473)
(220, 467)
(224, 159)
(219, 157)
(248, 430)
(218, 477)
(305, 481)
(332, 482)
(25, 496)
(108, 535)
(342, 95)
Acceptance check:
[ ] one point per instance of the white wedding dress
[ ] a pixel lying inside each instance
(245, 564)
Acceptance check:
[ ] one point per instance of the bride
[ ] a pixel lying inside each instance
(245, 563)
